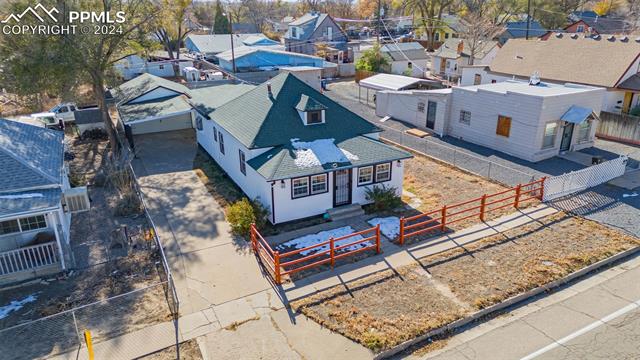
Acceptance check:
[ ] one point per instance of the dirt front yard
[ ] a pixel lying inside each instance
(189, 350)
(388, 308)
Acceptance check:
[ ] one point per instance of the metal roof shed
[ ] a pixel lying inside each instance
(395, 83)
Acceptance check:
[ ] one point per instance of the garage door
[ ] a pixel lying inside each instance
(169, 123)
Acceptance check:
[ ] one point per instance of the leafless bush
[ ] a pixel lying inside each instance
(118, 174)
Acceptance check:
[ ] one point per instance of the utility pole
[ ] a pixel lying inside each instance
(233, 55)
(528, 19)
(379, 27)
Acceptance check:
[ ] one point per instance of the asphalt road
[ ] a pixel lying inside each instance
(596, 318)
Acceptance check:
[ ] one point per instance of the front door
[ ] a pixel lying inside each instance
(443, 65)
(431, 114)
(341, 187)
(567, 134)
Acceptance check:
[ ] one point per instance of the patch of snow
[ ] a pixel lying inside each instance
(21, 196)
(15, 305)
(319, 152)
(629, 195)
(389, 226)
(313, 239)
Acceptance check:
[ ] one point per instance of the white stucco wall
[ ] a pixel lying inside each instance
(403, 105)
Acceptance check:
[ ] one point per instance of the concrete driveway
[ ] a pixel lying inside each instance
(204, 256)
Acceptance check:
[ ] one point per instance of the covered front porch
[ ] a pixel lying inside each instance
(31, 245)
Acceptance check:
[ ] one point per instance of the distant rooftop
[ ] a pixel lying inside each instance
(522, 87)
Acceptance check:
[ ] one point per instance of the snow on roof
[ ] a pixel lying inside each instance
(521, 87)
(189, 68)
(319, 152)
(390, 82)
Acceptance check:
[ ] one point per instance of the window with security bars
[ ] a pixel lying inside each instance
(33, 223)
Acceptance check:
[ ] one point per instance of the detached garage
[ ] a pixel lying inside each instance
(151, 104)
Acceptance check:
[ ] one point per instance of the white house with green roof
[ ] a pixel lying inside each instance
(295, 150)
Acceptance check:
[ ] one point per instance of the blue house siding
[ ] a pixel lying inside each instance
(259, 59)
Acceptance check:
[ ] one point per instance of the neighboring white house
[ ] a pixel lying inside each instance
(134, 65)
(408, 58)
(611, 62)
(309, 74)
(36, 202)
(532, 122)
(295, 150)
(449, 59)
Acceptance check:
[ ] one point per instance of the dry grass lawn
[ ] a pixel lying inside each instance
(520, 259)
(388, 308)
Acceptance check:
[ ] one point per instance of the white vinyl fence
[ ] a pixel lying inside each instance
(576, 181)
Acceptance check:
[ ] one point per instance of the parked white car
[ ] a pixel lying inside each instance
(64, 111)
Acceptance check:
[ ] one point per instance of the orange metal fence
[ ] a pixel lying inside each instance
(279, 265)
(337, 249)
(476, 208)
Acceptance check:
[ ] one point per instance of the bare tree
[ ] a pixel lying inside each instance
(430, 12)
(477, 30)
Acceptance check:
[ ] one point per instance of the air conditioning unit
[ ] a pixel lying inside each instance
(76, 200)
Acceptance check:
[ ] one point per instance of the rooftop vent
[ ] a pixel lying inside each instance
(596, 37)
(574, 36)
(611, 38)
(558, 35)
(624, 38)
(638, 39)
(269, 89)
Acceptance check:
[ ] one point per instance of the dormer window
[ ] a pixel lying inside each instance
(312, 112)
(294, 32)
(314, 117)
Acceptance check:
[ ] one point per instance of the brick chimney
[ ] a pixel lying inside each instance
(460, 47)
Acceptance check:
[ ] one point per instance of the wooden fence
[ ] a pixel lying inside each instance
(439, 219)
(273, 260)
(363, 74)
(619, 127)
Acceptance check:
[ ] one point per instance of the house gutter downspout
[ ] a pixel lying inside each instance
(273, 204)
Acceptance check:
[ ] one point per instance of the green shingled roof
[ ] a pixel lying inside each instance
(207, 99)
(279, 162)
(143, 84)
(307, 103)
(156, 108)
(260, 120)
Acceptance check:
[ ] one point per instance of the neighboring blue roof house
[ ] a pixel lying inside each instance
(210, 45)
(256, 58)
(518, 29)
(36, 200)
(259, 40)
(313, 28)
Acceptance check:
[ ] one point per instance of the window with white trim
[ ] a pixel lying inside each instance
(243, 163)
(465, 117)
(580, 28)
(299, 187)
(383, 172)
(33, 223)
(221, 143)
(584, 130)
(318, 184)
(549, 138)
(314, 117)
(365, 175)
(215, 134)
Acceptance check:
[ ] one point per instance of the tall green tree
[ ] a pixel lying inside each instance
(430, 13)
(372, 60)
(220, 21)
(170, 26)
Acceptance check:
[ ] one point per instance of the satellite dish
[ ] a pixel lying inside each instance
(534, 80)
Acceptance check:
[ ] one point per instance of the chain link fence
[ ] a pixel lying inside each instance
(105, 319)
(464, 160)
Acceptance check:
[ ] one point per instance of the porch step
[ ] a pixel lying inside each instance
(345, 212)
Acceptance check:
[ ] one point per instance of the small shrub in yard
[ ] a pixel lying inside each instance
(128, 204)
(383, 197)
(241, 214)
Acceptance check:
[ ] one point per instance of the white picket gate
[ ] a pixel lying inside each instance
(575, 181)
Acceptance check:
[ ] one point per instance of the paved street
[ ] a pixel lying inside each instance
(596, 318)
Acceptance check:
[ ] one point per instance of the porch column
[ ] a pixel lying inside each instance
(54, 222)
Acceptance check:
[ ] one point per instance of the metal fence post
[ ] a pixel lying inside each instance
(75, 324)
(401, 234)
(544, 179)
(332, 251)
(378, 239)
